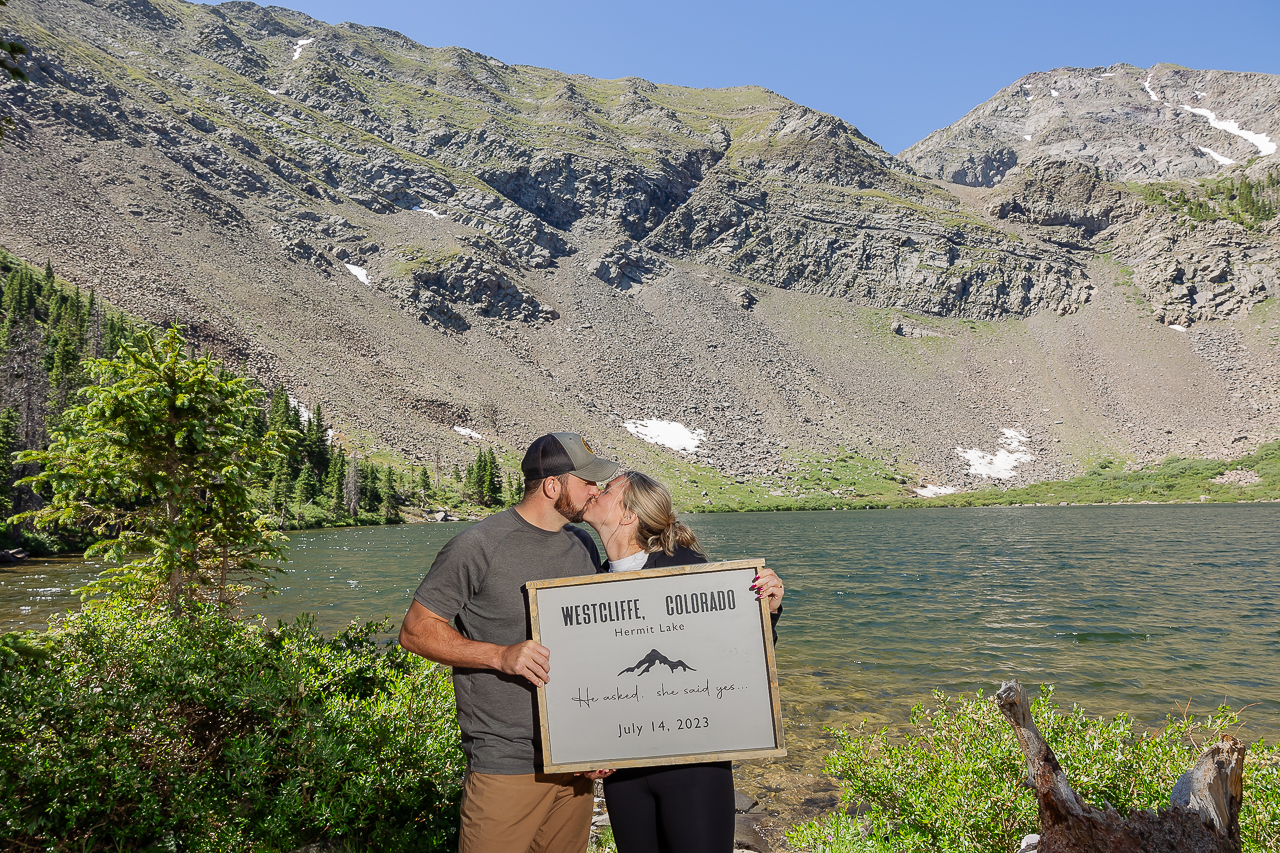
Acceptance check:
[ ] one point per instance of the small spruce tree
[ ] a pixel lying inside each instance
(390, 502)
(307, 487)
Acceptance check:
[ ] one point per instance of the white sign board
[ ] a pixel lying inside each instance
(663, 666)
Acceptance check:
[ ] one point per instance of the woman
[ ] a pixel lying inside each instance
(686, 808)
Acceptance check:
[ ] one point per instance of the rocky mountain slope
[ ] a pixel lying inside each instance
(445, 249)
(1132, 123)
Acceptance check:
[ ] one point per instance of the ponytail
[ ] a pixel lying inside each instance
(658, 528)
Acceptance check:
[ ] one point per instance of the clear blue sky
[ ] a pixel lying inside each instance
(898, 69)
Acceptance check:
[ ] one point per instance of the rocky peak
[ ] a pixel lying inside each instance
(1165, 122)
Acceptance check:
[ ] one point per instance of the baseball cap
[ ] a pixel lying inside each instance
(559, 453)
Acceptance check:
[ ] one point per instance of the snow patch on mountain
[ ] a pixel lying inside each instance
(1225, 161)
(666, 433)
(1001, 464)
(1265, 146)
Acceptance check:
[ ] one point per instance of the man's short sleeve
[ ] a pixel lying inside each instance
(456, 575)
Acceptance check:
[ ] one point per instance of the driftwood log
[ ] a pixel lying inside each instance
(1203, 815)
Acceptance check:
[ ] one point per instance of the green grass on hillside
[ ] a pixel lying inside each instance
(1176, 479)
(841, 479)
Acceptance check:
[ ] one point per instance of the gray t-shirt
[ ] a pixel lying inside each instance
(476, 581)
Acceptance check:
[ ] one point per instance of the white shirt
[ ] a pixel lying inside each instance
(629, 564)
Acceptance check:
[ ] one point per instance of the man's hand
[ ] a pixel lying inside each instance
(431, 636)
(528, 659)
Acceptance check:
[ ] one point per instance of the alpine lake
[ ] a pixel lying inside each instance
(1147, 610)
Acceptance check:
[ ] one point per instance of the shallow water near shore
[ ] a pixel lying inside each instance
(1147, 610)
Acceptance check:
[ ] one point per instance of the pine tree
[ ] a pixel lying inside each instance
(279, 493)
(390, 502)
(424, 485)
(370, 487)
(333, 482)
(307, 487)
(282, 418)
(482, 478)
(495, 480)
(317, 442)
(257, 425)
(168, 488)
(8, 444)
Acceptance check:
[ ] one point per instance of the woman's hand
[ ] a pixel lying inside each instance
(597, 774)
(768, 585)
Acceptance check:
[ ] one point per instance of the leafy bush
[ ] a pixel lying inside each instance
(834, 833)
(955, 781)
(126, 729)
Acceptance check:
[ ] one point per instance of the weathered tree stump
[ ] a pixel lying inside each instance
(1203, 816)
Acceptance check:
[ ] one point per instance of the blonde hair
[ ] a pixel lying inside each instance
(658, 528)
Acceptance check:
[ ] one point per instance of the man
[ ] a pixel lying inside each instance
(476, 581)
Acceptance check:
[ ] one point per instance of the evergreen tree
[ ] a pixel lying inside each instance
(370, 487)
(307, 487)
(279, 493)
(494, 488)
(8, 444)
(278, 414)
(424, 486)
(334, 479)
(283, 417)
(470, 491)
(167, 487)
(316, 442)
(257, 425)
(390, 503)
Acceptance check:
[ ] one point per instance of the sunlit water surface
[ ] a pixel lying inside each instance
(1135, 609)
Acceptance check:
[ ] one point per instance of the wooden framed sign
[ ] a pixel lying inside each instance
(661, 666)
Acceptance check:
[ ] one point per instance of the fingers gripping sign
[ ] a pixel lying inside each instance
(528, 659)
(768, 585)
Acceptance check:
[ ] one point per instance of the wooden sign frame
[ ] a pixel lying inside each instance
(551, 765)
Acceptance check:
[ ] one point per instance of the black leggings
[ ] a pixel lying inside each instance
(683, 809)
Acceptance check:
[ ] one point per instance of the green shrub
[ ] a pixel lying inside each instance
(125, 729)
(834, 833)
(955, 780)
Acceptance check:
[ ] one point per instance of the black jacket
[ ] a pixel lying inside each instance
(684, 557)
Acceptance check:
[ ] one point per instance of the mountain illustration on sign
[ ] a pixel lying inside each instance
(647, 663)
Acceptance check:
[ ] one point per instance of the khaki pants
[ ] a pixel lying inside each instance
(534, 812)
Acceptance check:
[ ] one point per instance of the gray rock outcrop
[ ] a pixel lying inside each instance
(1131, 123)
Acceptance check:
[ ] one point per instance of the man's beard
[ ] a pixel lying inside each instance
(565, 507)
